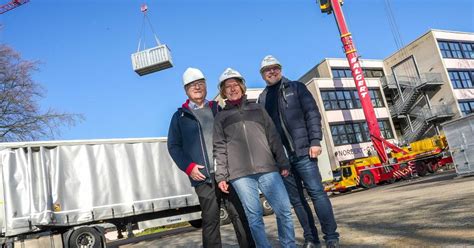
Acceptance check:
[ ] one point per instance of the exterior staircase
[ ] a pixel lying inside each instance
(424, 119)
(412, 89)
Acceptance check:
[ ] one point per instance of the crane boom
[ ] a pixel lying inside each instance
(11, 5)
(328, 6)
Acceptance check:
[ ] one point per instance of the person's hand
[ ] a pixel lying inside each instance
(284, 172)
(196, 175)
(315, 151)
(223, 186)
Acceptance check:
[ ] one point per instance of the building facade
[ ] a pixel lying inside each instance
(346, 133)
(413, 91)
(430, 81)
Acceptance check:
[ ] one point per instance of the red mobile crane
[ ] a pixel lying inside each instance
(369, 171)
(328, 6)
(11, 5)
(425, 155)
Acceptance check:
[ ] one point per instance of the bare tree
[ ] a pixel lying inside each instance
(20, 116)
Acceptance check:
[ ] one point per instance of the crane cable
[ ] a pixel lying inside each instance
(144, 9)
(410, 72)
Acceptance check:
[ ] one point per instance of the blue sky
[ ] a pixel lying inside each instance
(84, 47)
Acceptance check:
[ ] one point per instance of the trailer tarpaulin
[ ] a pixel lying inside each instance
(68, 184)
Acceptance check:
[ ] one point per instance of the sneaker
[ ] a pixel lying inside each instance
(332, 243)
(311, 244)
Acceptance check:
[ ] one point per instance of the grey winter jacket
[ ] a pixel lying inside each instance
(246, 142)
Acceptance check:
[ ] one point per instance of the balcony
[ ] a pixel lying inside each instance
(430, 82)
(438, 113)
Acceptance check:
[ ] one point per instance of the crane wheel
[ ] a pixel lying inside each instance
(421, 168)
(432, 167)
(367, 179)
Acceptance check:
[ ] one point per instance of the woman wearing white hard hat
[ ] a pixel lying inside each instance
(190, 146)
(249, 155)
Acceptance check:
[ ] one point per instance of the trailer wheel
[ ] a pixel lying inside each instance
(224, 216)
(7, 245)
(367, 179)
(421, 169)
(267, 208)
(85, 237)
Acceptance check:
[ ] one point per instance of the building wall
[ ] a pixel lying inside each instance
(424, 58)
(339, 153)
(428, 59)
(458, 64)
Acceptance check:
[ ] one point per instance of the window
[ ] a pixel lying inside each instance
(458, 50)
(376, 98)
(357, 132)
(357, 102)
(341, 73)
(444, 48)
(329, 100)
(385, 129)
(467, 107)
(468, 50)
(347, 73)
(373, 73)
(348, 99)
(455, 50)
(461, 79)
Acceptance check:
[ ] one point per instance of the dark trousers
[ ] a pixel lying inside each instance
(306, 172)
(210, 198)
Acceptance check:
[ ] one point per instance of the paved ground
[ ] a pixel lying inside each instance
(435, 211)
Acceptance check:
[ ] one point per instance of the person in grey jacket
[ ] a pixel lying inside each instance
(249, 155)
(190, 146)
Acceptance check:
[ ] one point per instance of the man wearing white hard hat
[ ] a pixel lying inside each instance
(298, 121)
(250, 157)
(190, 146)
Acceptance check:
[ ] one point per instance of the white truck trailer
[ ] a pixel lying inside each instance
(460, 136)
(73, 187)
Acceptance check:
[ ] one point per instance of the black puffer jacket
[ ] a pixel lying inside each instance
(300, 115)
(246, 142)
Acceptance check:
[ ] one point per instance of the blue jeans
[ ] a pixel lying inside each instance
(271, 185)
(305, 172)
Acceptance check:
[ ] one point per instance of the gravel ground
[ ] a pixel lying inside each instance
(434, 211)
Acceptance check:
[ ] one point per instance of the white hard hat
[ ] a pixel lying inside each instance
(191, 75)
(230, 73)
(269, 60)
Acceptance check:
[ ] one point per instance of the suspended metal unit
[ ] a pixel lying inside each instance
(146, 61)
(152, 60)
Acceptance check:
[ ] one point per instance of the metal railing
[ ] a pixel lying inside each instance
(436, 110)
(410, 87)
(403, 102)
(410, 81)
(431, 78)
(411, 134)
(421, 122)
